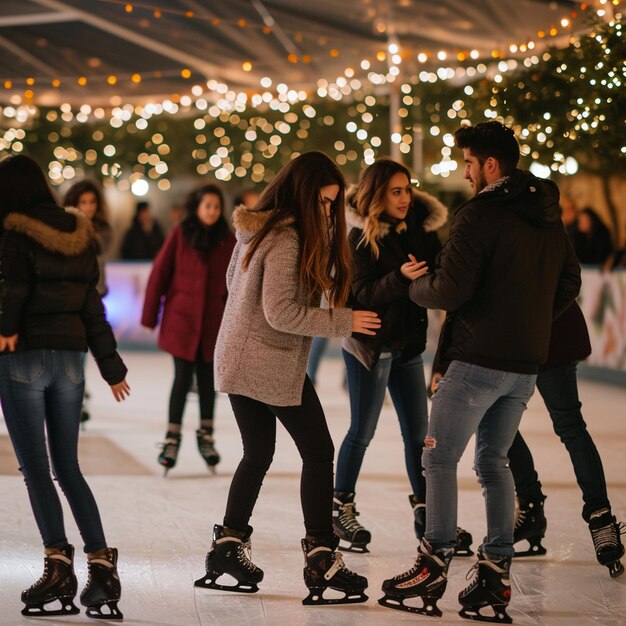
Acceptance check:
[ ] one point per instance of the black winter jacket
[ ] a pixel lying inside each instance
(48, 279)
(507, 270)
(378, 285)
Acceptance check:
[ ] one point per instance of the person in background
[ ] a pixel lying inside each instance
(291, 248)
(187, 291)
(86, 196)
(247, 198)
(591, 239)
(144, 238)
(50, 314)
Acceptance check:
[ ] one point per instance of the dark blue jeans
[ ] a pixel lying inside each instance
(42, 391)
(407, 387)
(559, 390)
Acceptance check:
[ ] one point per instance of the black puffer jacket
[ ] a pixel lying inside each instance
(48, 278)
(378, 285)
(506, 271)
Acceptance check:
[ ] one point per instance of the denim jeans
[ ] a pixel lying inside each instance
(559, 391)
(473, 399)
(318, 347)
(407, 387)
(42, 391)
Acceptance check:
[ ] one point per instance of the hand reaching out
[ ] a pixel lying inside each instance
(121, 391)
(8, 343)
(414, 269)
(365, 322)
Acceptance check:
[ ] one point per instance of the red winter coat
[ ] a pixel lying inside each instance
(192, 287)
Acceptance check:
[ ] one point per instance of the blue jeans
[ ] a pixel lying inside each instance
(473, 399)
(559, 390)
(318, 347)
(42, 391)
(407, 387)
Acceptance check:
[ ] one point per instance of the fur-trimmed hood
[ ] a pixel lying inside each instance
(437, 213)
(67, 232)
(248, 222)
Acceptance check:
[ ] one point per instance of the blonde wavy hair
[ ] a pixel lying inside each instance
(370, 198)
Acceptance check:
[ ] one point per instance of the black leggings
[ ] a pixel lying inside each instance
(307, 426)
(183, 376)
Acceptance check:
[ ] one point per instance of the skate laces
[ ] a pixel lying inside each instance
(205, 443)
(347, 517)
(608, 537)
(244, 555)
(337, 566)
(169, 448)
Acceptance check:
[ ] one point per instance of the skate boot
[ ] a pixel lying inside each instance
(346, 526)
(103, 588)
(169, 451)
(207, 449)
(489, 587)
(427, 579)
(324, 568)
(463, 545)
(530, 524)
(56, 584)
(230, 554)
(605, 532)
(419, 514)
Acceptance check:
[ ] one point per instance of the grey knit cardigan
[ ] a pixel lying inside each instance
(264, 341)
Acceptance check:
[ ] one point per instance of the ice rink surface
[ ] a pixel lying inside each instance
(162, 526)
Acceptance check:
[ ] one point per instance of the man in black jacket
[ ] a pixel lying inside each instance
(506, 271)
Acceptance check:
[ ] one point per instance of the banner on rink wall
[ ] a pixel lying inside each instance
(602, 300)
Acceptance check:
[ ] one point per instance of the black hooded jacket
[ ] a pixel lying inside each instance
(507, 270)
(48, 278)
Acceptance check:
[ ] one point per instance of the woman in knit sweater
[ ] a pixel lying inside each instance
(291, 248)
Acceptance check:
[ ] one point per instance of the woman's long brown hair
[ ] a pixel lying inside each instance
(370, 197)
(324, 259)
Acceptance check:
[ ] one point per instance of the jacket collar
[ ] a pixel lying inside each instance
(249, 222)
(70, 243)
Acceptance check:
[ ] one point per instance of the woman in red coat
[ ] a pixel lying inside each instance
(189, 279)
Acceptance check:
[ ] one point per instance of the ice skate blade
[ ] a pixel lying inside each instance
(463, 552)
(95, 611)
(39, 610)
(616, 569)
(208, 582)
(356, 548)
(429, 607)
(316, 597)
(500, 616)
(535, 548)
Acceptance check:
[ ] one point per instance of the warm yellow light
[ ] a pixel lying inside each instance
(30, 81)
(128, 8)
(241, 22)
(136, 78)
(553, 31)
(380, 55)
(292, 58)
(564, 22)
(186, 73)
(8, 84)
(29, 93)
(82, 81)
(307, 58)
(334, 52)
(111, 79)
(246, 66)
(56, 83)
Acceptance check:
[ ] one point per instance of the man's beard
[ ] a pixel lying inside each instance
(481, 183)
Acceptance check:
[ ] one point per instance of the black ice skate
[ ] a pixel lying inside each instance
(230, 554)
(169, 451)
(346, 526)
(324, 568)
(530, 524)
(206, 447)
(427, 579)
(464, 539)
(605, 532)
(56, 585)
(490, 587)
(419, 515)
(103, 589)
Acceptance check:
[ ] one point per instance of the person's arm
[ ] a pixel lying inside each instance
(15, 282)
(458, 268)
(159, 281)
(569, 283)
(282, 295)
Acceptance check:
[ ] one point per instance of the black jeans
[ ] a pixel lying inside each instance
(307, 426)
(559, 391)
(183, 377)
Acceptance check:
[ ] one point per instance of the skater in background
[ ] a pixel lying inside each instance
(187, 292)
(506, 271)
(591, 238)
(86, 196)
(393, 241)
(291, 248)
(144, 238)
(50, 313)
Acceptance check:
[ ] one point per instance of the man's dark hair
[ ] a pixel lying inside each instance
(490, 139)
